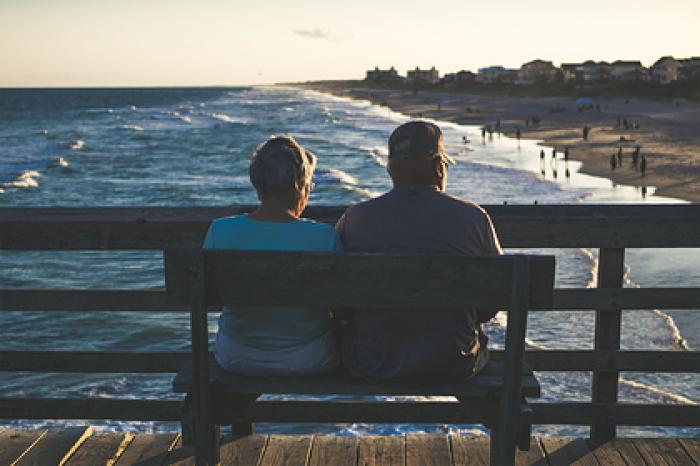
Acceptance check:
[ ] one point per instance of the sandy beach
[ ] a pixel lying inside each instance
(668, 132)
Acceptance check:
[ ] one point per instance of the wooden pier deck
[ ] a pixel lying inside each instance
(84, 446)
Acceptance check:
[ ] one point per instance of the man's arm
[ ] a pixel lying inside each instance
(492, 247)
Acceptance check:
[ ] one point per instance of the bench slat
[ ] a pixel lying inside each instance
(340, 382)
(370, 281)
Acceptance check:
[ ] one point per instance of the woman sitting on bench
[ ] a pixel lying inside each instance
(265, 341)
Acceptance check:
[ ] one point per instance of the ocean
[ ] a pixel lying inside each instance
(191, 146)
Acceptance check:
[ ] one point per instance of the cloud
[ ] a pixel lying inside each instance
(315, 33)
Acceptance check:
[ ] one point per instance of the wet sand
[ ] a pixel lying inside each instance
(668, 134)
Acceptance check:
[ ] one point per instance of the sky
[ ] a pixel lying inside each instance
(233, 42)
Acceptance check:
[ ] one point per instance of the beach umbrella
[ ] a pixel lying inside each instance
(584, 101)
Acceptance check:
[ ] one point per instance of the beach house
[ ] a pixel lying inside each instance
(623, 70)
(431, 76)
(690, 68)
(666, 70)
(377, 75)
(494, 74)
(536, 70)
(462, 76)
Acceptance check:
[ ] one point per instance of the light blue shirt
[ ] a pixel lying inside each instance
(272, 328)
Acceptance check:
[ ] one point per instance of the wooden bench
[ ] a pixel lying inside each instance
(495, 397)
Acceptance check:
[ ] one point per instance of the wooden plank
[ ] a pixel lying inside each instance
(692, 448)
(621, 413)
(92, 300)
(55, 447)
(14, 442)
(100, 448)
(341, 381)
(662, 452)
(427, 450)
(162, 362)
(470, 451)
(147, 450)
(571, 299)
(382, 451)
(611, 270)
(606, 360)
(244, 451)
(517, 226)
(91, 408)
(288, 450)
(369, 281)
(334, 450)
(563, 451)
(616, 452)
(93, 361)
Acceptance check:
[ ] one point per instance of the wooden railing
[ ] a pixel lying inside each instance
(179, 231)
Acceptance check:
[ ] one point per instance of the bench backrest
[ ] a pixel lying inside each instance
(387, 281)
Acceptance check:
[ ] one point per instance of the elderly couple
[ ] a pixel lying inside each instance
(416, 216)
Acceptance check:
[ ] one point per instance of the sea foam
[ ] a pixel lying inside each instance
(132, 127)
(77, 144)
(26, 180)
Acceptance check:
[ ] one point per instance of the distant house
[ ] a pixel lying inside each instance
(690, 68)
(377, 75)
(431, 76)
(463, 76)
(666, 70)
(496, 74)
(572, 71)
(536, 70)
(627, 70)
(592, 71)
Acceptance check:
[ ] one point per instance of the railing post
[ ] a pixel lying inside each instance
(611, 270)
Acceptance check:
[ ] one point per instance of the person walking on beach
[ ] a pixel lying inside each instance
(613, 162)
(517, 133)
(619, 156)
(554, 153)
(542, 161)
(566, 154)
(585, 132)
(643, 165)
(635, 156)
(418, 217)
(483, 132)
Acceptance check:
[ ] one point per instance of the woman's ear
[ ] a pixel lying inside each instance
(439, 167)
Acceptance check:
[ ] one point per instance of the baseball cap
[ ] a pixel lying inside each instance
(418, 139)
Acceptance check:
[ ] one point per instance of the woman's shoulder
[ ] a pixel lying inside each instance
(312, 225)
(228, 222)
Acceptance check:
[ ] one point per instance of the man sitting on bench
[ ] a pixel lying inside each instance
(417, 347)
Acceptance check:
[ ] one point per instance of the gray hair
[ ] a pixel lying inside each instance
(280, 166)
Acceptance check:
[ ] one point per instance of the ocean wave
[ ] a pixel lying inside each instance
(42, 132)
(333, 175)
(227, 119)
(61, 162)
(26, 180)
(132, 127)
(77, 144)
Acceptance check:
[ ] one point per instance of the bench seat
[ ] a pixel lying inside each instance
(341, 382)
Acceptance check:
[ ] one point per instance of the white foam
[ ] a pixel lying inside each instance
(42, 132)
(61, 162)
(133, 107)
(289, 109)
(26, 180)
(132, 127)
(227, 119)
(332, 175)
(77, 144)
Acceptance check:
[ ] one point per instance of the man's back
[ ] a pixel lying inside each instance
(416, 346)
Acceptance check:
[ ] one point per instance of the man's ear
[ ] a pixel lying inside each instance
(438, 167)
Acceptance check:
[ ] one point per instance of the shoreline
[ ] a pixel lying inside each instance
(669, 135)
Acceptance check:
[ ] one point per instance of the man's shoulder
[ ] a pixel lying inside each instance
(461, 206)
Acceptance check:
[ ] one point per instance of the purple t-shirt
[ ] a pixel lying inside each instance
(416, 346)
